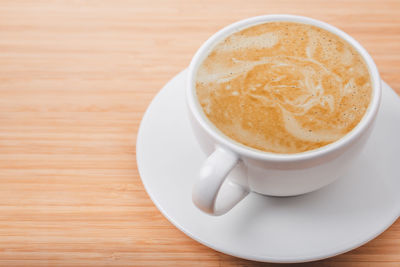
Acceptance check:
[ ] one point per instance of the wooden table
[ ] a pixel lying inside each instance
(75, 80)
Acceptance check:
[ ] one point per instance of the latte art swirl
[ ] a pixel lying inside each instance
(284, 87)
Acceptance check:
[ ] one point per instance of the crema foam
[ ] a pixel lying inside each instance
(284, 87)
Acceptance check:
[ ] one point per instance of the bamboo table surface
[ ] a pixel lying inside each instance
(75, 80)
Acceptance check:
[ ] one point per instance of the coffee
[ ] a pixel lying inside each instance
(284, 87)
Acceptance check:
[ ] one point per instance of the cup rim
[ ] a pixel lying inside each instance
(243, 150)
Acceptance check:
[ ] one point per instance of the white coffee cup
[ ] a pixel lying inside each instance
(233, 170)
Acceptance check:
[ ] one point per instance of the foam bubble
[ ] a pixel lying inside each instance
(237, 42)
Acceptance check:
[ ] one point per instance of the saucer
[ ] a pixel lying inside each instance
(333, 220)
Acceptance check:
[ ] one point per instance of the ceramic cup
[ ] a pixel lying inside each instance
(232, 170)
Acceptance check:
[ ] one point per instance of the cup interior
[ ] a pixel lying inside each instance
(241, 149)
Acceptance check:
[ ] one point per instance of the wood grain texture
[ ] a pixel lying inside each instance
(75, 80)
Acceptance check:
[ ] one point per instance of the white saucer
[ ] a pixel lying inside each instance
(333, 220)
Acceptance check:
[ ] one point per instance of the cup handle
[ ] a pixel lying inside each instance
(212, 175)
